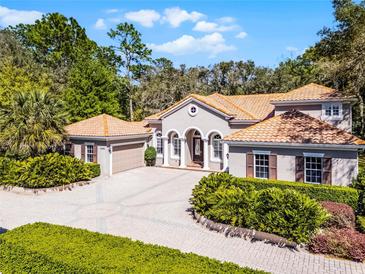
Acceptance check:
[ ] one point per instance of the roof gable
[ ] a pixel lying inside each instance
(294, 127)
(106, 126)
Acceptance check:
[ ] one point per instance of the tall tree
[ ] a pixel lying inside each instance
(133, 56)
(32, 124)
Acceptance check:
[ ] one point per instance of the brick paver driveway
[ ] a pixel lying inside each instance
(150, 204)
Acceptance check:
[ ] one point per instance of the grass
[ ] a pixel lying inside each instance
(46, 248)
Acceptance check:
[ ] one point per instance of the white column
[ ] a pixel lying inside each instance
(225, 156)
(165, 151)
(182, 153)
(206, 155)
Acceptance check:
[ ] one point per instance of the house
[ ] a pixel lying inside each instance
(303, 135)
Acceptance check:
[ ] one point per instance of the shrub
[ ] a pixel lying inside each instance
(150, 156)
(45, 248)
(224, 198)
(45, 171)
(94, 168)
(360, 223)
(346, 243)
(342, 215)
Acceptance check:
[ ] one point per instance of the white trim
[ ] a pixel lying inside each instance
(311, 102)
(254, 165)
(261, 152)
(332, 117)
(214, 131)
(86, 145)
(190, 128)
(212, 158)
(110, 138)
(172, 130)
(155, 145)
(310, 154)
(172, 155)
(305, 170)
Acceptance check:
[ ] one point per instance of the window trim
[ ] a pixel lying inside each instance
(172, 150)
(212, 158)
(331, 105)
(161, 142)
(86, 152)
(266, 153)
(196, 110)
(313, 155)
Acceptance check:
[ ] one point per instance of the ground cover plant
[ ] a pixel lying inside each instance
(46, 248)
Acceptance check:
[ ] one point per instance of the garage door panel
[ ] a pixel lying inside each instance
(127, 157)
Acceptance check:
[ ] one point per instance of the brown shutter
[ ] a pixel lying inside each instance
(327, 171)
(299, 169)
(249, 164)
(95, 153)
(72, 149)
(273, 166)
(83, 152)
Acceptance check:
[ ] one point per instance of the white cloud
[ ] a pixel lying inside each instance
(146, 18)
(100, 24)
(241, 35)
(212, 44)
(226, 20)
(14, 17)
(292, 49)
(205, 26)
(110, 11)
(176, 16)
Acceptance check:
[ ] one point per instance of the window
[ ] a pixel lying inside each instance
(262, 166)
(176, 145)
(193, 110)
(313, 169)
(89, 153)
(332, 110)
(159, 146)
(217, 147)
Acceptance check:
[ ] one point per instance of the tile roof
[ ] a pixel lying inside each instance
(294, 127)
(106, 126)
(256, 106)
(311, 91)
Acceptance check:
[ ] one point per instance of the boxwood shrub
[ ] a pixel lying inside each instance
(45, 248)
(45, 171)
(285, 212)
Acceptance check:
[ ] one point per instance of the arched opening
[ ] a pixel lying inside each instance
(195, 148)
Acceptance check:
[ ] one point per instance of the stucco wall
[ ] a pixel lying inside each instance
(344, 163)
(316, 112)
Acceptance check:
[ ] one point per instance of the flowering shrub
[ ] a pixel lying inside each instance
(346, 243)
(342, 215)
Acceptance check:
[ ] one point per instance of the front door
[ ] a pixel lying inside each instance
(197, 150)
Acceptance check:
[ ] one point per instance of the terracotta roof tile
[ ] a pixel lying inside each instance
(294, 127)
(106, 126)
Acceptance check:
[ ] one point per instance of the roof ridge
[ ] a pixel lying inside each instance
(243, 110)
(106, 124)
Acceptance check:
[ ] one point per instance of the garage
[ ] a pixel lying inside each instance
(127, 157)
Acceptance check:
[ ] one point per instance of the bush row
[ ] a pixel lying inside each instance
(45, 171)
(45, 248)
(287, 213)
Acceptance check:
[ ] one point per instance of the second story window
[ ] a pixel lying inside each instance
(332, 110)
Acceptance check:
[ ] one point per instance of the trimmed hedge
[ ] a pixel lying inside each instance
(342, 215)
(94, 168)
(360, 223)
(150, 156)
(45, 171)
(223, 198)
(46, 248)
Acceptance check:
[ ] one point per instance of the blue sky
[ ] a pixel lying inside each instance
(195, 32)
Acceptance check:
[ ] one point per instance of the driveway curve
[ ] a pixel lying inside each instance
(150, 204)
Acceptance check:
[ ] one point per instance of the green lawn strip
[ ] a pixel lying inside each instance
(46, 248)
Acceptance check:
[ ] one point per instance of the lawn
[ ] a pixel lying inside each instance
(46, 248)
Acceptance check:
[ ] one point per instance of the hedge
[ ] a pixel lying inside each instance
(285, 212)
(45, 171)
(338, 194)
(46, 248)
(360, 222)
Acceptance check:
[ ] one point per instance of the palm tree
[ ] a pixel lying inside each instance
(32, 124)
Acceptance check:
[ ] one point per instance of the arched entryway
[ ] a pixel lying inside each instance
(195, 148)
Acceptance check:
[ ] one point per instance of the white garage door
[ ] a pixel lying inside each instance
(127, 157)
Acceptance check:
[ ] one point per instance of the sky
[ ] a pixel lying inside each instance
(193, 32)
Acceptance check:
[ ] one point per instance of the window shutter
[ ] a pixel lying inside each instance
(273, 166)
(299, 169)
(83, 152)
(327, 171)
(249, 164)
(95, 153)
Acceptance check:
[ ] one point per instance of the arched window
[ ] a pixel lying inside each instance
(159, 145)
(217, 150)
(176, 145)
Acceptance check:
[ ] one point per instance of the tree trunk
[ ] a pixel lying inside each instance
(131, 107)
(362, 118)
